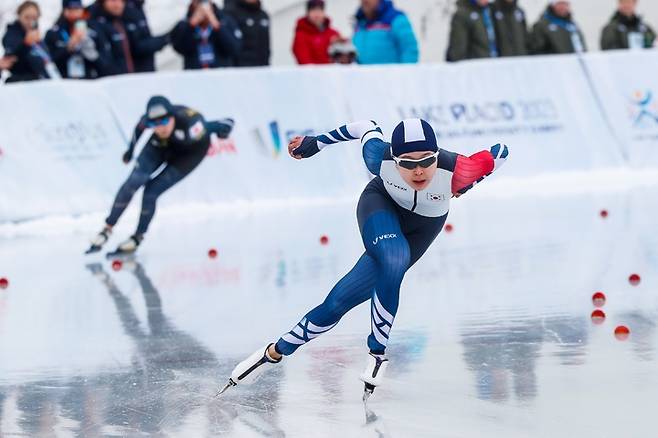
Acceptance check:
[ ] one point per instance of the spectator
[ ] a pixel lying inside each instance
(511, 28)
(208, 38)
(6, 62)
(254, 23)
(384, 34)
(76, 44)
(342, 51)
(23, 41)
(627, 30)
(556, 32)
(113, 23)
(314, 35)
(146, 45)
(472, 32)
(133, 47)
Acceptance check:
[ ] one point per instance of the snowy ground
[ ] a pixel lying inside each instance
(493, 337)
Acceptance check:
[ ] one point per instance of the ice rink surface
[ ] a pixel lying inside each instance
(493, 337)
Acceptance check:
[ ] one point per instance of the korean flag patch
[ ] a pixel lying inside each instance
(197, 130)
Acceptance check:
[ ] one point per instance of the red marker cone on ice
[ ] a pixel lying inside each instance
(604, 213)
(598, 316)
(324, 240)
(4, 283)
(622, 332)
(117, 265)
(634, 279)
(212, 253)
(598, 299)
(448, 228)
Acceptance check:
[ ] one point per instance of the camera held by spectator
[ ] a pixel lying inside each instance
(342, 51)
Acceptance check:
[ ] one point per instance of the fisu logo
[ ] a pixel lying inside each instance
(384, 237)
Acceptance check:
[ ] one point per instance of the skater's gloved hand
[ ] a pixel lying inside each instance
(127, 156)
(303, 147)
(499, 153)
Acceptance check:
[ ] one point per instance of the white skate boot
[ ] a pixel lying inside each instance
(100, 240)
(247, 371)
(373, 375)
(129, 246)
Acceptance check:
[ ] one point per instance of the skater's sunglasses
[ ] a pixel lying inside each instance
(408, 163)
(157, 122)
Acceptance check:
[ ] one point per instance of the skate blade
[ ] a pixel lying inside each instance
(93, 249)
(118, 254)
(230, 384)
(367, 392)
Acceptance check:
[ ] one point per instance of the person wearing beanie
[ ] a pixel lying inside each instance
(314, 35)
(556, 32)
(400, 213)
(77, 45)
(175, 141)
(627, 30)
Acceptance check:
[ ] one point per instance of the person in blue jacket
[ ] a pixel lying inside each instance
(384, 35)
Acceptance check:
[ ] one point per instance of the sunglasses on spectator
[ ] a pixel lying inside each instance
(408, 163)
(157, 122)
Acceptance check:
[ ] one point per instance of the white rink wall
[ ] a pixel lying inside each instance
(431, 20)
(560, 115)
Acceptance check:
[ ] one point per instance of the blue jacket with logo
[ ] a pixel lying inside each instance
(388, 39)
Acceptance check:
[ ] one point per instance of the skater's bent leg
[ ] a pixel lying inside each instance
(353, 289)
(137, 179)
(152, 191)
(385, 243)
(148, 162)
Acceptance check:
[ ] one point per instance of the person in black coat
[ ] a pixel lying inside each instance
(23, 43)
(207, 38)
(76, 44)
(146, 43)
(131, 47)
(254, 23)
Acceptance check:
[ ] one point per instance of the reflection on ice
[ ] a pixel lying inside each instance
(493, 336)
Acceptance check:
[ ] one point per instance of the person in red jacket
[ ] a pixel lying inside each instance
(314, 35)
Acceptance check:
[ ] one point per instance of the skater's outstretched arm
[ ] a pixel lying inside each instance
(222, 127)
(137, 138)
(368, 132)
(468, 171)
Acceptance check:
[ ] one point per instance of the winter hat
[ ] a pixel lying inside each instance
(413, 135)
(158, 107)
(72, 4)
(312, 4)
